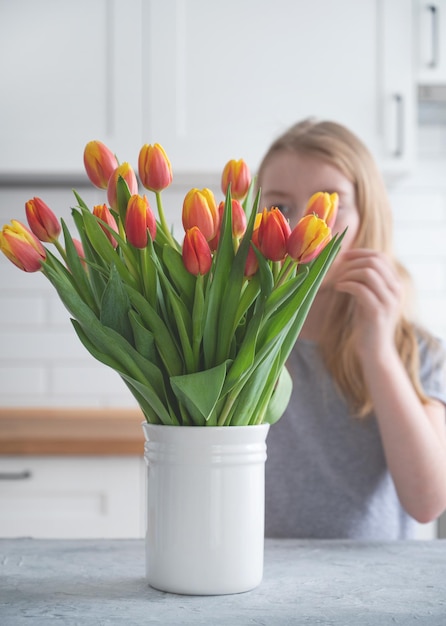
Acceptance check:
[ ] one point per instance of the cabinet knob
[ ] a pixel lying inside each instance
(24, 475)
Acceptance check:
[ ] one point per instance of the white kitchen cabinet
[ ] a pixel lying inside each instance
(221, 80)
(72, 497)
(209, 81)
(70, 72)
(430, 45)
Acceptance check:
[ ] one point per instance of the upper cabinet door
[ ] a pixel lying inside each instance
(70, 72)
(430, 19)
(221, 80)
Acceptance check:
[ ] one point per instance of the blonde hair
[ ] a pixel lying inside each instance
(338, 146)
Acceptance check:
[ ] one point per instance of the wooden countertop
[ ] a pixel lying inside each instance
(74, 431)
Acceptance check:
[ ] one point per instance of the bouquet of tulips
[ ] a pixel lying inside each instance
(199, 331)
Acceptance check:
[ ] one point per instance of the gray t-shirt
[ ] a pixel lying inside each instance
(326, 474)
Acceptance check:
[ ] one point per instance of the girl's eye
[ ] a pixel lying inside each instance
(283, 208)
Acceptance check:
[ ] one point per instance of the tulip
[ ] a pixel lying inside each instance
(252, 262)
(100, 163)
(103, 213)
(238, 217)
(197, 257)
(80, 251)
(237, 175)
(308, 238)
(22, 247)
(324, 205)
(42, 221)
(138, 220)
(125, 171)
(274, 231)
(154, 168)
(200, 209)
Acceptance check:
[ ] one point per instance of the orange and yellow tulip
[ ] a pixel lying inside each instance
(274, 231)
(197, 257)
(324, 205)
(237, 175)
(42, 221)
(138, 220)
(252, 262)
(125, 171)
(103, 213)
(200, 209)
(154, 168)
(99, 162)
(22, 247)
(308, 238)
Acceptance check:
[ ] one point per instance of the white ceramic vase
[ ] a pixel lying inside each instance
(205, 508)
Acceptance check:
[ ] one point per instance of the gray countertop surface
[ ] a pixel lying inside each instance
(102, 582)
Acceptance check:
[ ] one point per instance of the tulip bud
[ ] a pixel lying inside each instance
(100, 163)
(126, 172)
(308, 238)
(42, 221)
(80, 251)
(103, 213)
(22, 247)
(197, 256)
(238, 217)
(324, 205)
(138, 220)
(200, 209)
(154, 168)
(252, 262)
(236, 174)
(274, 231)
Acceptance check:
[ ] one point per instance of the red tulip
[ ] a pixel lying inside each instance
(22, 247)
(99, 162)
(138, 220)
(197, 257)
(154, 168)
(42, 221)
(274, 231)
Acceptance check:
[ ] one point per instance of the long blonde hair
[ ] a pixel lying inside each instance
(339, 147)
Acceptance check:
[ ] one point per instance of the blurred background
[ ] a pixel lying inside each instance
(210, 82)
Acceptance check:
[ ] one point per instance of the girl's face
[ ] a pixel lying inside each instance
(290, 179)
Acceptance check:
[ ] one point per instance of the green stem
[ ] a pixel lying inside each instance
(61, 251)
(163, 221)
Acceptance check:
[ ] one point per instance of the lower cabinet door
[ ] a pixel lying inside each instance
(72, 497)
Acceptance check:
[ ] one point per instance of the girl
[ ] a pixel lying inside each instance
(361, 451)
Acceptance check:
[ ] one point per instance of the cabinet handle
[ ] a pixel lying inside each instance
(433, 63)
(399, 145)
(15, 475)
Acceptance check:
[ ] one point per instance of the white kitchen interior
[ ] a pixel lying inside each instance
(210, 82)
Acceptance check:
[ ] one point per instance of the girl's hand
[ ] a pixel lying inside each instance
(377, 292)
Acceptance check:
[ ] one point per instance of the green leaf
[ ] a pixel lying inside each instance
(115, 306)
(165, 343)
(200, 392)
(220, 271)
(280, 398)
(144, 339)
(183, 280)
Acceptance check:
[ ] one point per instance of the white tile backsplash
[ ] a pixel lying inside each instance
(42, 362)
